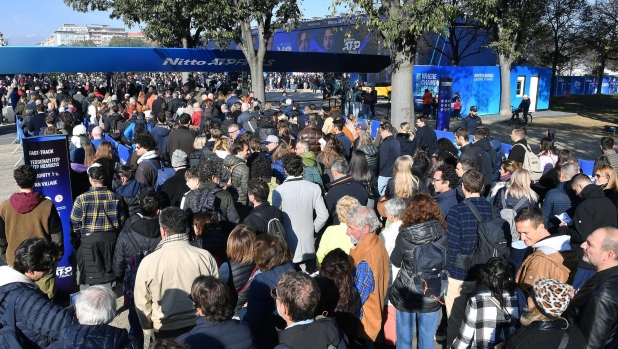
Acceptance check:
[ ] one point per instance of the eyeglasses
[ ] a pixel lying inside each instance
(232, 132)
(433, 180)
(273, 292)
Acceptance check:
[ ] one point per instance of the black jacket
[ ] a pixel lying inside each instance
(341, 187)
(546, 334)
(426, 137)
(174, 105)
(94, 256)
(595, 310)
(408, 146)
(36, 123)
(484, 144)
(402, 297)
(260, 224)
(594, 212)
(482, 162)
(146, 233)
(321, 333)
(110, 122)
(518, 154)
(94, 337)
(36, 317)
(229, 334)
(175, 188)
(131, 193)
(389, 151)
(371, 154)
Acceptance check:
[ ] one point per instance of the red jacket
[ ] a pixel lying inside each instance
(427, 97)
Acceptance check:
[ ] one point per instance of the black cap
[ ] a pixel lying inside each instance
(474, 108)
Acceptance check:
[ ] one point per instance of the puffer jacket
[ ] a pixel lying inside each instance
(237, 276)
(240, 178)
(278, 171)
(131, 193)
(91, 337)
(371, 154)
(401, 295)
(312, 135)
(147, 235)
(36, 317)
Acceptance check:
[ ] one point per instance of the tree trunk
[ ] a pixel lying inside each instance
(402, 97)
(600, 74)
(505, 84)
(255, 59)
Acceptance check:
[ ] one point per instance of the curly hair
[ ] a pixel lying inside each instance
(293, 165)
(145, 140)
(336, 266)
(208, 170)
(422, 208)
(333, 150)
(260, 168)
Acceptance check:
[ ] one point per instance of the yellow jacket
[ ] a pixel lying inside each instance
(334, 237)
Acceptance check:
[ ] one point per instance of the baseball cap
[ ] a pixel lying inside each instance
(361, 126)
(271, 139)
(474, 108)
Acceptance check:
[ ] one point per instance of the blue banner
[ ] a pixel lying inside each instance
(444, 103)
(578, 84)
(562, 85)
(49, 156)
(15, 60)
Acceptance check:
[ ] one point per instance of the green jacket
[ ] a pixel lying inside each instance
(309, 160)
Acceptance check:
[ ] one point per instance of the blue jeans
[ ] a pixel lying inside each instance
(382, 182)
(406, 323)
(356, 108)
(135, 330)
(366, 111)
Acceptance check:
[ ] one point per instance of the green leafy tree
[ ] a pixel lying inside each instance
(511, 24)
(183, 23)
(599, 34)
(233, 19)
(119, 41)
(399, 24)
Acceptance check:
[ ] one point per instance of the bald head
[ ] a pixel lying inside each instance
(97, 133)
(601, 248)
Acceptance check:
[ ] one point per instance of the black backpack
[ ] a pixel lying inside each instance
(10, 336)
(494, 239)
(274, 226)
(205, 200)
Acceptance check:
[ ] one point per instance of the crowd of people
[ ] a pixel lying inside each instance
(237, 224)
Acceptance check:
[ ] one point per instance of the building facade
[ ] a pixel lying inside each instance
(70, 34)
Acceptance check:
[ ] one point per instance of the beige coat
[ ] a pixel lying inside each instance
(163, 283)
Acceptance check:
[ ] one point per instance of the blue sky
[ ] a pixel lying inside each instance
(26, 25)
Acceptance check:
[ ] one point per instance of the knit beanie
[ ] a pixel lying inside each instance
(179, 158)
(551, 297)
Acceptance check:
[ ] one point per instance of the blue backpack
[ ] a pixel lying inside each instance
(163, 174)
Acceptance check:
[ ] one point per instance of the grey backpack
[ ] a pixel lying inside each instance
(508, 214)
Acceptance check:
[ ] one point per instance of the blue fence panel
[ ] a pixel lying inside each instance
(124, 154)
(375, 125)
(587, 166)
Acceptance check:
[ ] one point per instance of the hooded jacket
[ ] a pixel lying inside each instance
(36, 316)
(594, 212)
(131, 193)
(27, 215)
(146, 173)
(146, 233)
(240, 178)
(407, 144)
(481, 160)
(410, 237)
(94, 337)
(553, 258)
(485, 144)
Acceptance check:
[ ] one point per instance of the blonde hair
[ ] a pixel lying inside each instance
(532, 315)
(610, 173)
(222, 144)
(519, 186)
(282, 150)
(344, 205)
(405, 181)
(404, 127)
(199, 142)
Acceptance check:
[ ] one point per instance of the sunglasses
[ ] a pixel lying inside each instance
(273, 292)
(598, 175)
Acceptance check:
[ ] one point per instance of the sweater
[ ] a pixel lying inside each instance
(372, 251)
(164, 280)
(334, 237)
(27, 215)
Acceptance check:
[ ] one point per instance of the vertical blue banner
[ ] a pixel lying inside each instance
(444, 103)
(578, 84)
(49, 156)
